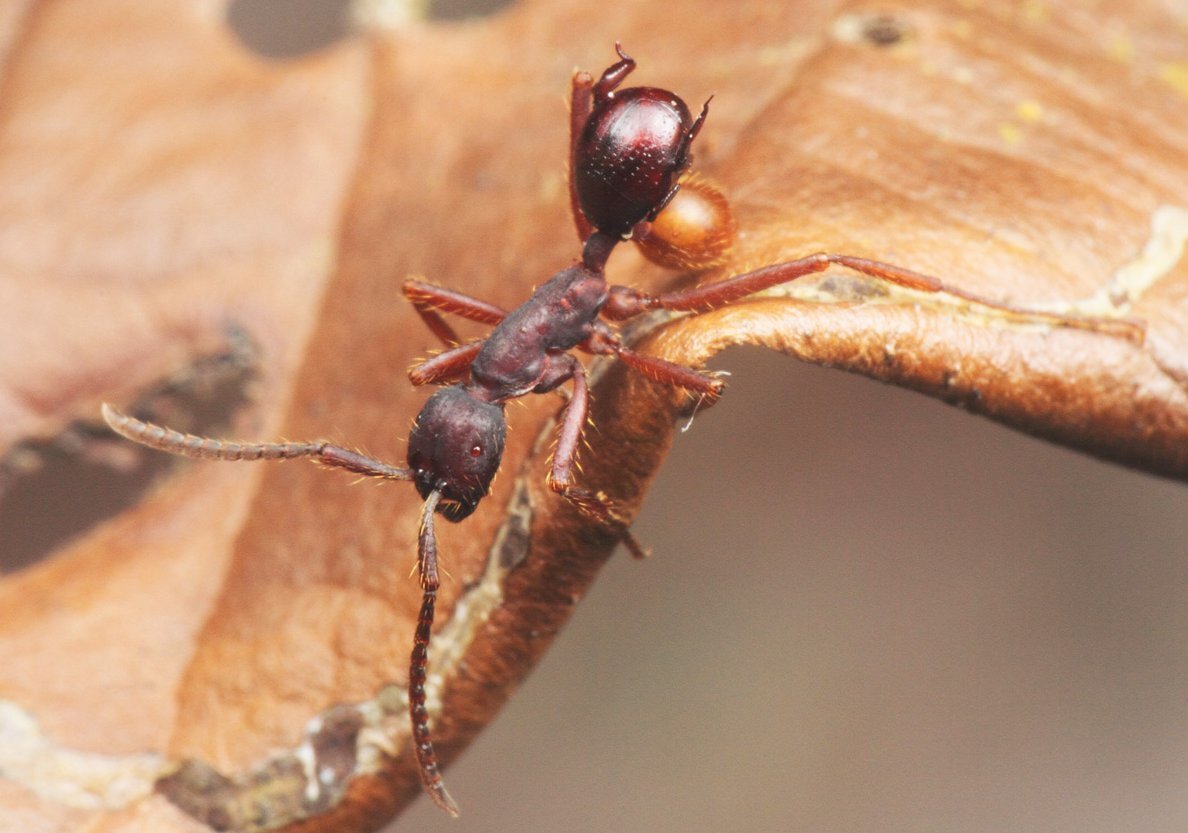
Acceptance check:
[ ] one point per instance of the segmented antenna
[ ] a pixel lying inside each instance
(418, 669)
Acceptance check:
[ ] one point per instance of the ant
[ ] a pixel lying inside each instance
(630, 151)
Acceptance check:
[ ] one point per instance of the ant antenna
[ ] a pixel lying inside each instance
(418, 669)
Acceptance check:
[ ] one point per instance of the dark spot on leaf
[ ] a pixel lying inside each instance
(288, 28)
(97, 474)
(335, 743)
(885, 30)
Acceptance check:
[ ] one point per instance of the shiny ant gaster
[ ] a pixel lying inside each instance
(628, 151)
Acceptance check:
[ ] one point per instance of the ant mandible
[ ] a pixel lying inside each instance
(629, 149)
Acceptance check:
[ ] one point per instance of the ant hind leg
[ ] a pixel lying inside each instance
(625, 302)
(581, 104)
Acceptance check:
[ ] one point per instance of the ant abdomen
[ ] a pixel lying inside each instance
(629, 157)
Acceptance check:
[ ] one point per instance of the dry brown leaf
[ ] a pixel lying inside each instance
(166, 193)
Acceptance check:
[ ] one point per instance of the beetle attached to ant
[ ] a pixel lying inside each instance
(629, 149)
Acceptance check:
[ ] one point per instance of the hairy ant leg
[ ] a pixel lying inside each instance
(560, 479)
(447, 366)
(707, 387)
(1128, 328)
(625, 302)
(605, 342)
(427, 296)
(430, 301)
(613, 75)
(206, 448)
(581, 104)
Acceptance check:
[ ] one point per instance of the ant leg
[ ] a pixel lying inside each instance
(593, 504)
(613, 75)
(605, 342)
(445, 366)
(581, 104)
(668, 373)
(205, 448)
(418, 667)
(427, 296)
(429, 301)
(1128, 328)
(695, 127)
(625, 302)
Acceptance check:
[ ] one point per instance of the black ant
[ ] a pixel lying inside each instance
(629, 150)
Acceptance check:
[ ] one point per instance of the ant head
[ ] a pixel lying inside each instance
(455, 448)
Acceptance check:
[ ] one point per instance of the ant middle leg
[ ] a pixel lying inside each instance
(605, 342)
(593, 504)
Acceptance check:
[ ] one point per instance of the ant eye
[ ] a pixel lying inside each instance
(476, 451)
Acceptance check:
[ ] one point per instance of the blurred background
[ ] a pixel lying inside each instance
(866, 612)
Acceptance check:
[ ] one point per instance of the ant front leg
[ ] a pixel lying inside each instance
(593, 504)
(430, 301)
(447, 366)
